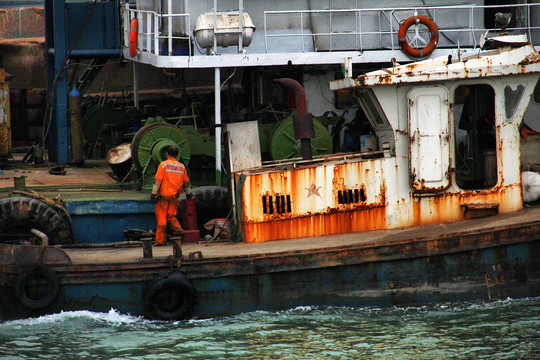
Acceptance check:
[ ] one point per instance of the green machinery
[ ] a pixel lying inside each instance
(105, 125)
(197, 146)
(277, 140)
(149, 147)
(196, 150)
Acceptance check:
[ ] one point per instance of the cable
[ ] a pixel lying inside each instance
(74, 63)
(221, 87)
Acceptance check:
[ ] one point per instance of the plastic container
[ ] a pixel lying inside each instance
(368, 143)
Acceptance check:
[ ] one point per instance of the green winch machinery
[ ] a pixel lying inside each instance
(197, 146)
(278, 142)
(149, 147)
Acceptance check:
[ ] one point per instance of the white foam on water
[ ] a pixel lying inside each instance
(112, 317)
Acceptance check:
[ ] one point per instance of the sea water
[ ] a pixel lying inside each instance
(502, 329)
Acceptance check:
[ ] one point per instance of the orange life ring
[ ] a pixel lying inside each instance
(133, 33)
(402, 36)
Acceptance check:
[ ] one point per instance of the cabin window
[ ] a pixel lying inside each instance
(371, 108)
(512, 97)
(474, 118)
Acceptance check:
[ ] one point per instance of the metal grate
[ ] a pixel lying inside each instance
(279, 204)
(351, 196)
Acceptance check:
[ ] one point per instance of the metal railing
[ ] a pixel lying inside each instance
(377, 28)
(155, 33)
(340, 29)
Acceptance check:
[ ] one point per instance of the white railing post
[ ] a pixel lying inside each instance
(156, 34)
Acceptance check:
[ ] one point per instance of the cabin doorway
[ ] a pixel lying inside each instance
(474, 115)
(429, 145)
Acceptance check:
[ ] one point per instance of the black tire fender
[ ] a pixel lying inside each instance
(170, 296)
(37, 287)
(26, 213)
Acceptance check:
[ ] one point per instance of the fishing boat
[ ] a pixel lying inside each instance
(391, 227)
(430, 208)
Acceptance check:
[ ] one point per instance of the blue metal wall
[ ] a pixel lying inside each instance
(104, 221)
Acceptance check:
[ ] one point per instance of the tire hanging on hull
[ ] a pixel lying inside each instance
(37, 287)
(169, 296)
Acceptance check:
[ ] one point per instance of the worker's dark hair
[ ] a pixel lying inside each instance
(172, 151)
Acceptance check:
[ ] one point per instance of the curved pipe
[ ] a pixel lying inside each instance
(41, 236)
(299, 93)
(302, 121)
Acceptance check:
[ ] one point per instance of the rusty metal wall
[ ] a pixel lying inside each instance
(5, 117)
(22, 22)
(314, 200)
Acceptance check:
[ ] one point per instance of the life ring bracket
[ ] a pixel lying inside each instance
(433, 41)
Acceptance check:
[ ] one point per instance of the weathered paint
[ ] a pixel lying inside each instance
(21, 22)
(431, 194)
(512, 62)
(485, 264)
(5, 117)
(316, 210)
(326, 199)
(429, 139)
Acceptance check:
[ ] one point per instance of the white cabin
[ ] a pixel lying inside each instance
(448, 149)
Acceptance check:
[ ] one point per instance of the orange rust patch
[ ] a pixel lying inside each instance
(317, 225)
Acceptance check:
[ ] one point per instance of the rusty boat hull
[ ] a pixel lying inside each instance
(487, 258)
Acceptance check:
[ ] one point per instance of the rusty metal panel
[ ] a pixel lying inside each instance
(314, 200)
(5, 117)
(429, 145)
(516, 61)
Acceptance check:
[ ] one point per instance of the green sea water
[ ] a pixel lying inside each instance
(503, 329)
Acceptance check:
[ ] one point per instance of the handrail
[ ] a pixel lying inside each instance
(149, 30)
(325, 33)
(390, 26)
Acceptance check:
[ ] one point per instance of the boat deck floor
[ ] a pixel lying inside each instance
(92, 181)
(378, 237)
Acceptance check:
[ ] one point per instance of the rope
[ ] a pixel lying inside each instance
(121, 244)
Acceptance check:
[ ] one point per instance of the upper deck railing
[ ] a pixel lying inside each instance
(377, 28)
(328, 31)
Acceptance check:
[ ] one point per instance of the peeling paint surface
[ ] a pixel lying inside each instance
(5, 123)
(314, 200)
(493, 63)
(327, 213)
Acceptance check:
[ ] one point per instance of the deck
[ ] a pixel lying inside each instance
(228, 250)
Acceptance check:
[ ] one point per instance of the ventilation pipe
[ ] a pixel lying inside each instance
(302, 121)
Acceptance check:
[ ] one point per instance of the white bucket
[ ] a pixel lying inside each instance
(368, 143)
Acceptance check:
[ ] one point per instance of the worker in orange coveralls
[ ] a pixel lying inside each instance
(171, 176)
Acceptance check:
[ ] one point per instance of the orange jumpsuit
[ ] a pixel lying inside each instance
(172, 175)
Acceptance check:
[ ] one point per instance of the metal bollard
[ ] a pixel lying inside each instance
(147, 248)
(177, 247)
